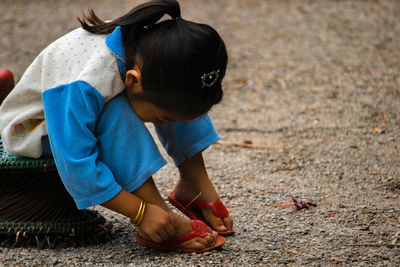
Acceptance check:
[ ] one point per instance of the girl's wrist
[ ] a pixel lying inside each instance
(140, 213)
(126, 204)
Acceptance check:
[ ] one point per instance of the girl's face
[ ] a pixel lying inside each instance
(145, 110)
(149, 112)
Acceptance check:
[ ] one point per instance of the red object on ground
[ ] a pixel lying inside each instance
(299, 204)
(6, 83)
(286, 205)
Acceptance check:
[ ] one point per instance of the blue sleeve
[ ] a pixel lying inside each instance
(184, 139)
(71, 113)
(126, 145)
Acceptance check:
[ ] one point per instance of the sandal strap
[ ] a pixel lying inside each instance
(218, 207)
(199, 230)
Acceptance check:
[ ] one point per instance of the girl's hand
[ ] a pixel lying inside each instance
(157, 225)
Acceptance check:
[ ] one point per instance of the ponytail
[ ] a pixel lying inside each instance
(138, 17)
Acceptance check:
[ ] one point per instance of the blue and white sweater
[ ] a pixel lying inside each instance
(61, 95)
(81, 67)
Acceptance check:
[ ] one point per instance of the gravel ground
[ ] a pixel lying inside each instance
(315, 85)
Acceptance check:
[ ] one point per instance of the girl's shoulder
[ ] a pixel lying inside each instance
(83, 56)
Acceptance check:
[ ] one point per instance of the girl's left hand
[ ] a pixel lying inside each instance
(157, 225)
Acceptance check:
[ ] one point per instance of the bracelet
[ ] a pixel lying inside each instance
(139, 221)
(140, 214)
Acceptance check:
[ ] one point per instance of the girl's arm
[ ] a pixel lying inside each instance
(72, 113)
(124, 203)
(184, 139)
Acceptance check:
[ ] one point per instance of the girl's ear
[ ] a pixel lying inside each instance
(133, 80)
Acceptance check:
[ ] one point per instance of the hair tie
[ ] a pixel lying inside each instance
(209, 79)
(177, 18)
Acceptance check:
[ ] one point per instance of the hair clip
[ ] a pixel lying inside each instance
(209, 79)
(177, 18)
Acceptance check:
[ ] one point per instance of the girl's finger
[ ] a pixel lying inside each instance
(155, 237)
(143, 234)
(173, 221)
(163, 234)
(171, 230)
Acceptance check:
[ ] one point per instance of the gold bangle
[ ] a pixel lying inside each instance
(139, 221)
(134, 221)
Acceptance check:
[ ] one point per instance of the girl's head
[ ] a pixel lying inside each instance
(182, 63)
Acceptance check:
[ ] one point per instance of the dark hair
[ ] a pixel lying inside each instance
(173, 55)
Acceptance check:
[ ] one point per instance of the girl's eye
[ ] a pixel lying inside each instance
(161, 121)
(164, 120)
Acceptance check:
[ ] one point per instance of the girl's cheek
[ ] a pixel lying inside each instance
(162, 123)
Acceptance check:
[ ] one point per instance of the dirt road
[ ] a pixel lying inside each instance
(316, 86)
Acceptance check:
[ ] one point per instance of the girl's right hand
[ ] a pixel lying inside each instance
(157, 225)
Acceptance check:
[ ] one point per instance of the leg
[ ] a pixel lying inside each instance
(194, 180)
(184, 142)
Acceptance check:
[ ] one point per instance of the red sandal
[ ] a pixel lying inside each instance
(191, 209)
(199, 230)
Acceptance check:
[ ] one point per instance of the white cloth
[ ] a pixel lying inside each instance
(77, 56)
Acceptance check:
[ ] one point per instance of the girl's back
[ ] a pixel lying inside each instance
(77, 56)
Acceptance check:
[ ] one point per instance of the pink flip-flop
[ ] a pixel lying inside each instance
(199, 230)
(191, 209)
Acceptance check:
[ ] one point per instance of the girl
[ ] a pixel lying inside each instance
(84, 101)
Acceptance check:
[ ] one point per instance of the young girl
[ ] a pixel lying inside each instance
(84, 101)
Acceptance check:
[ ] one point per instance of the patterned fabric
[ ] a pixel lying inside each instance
(8, 161)
(77, 56)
